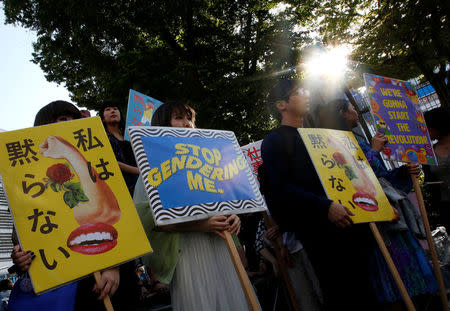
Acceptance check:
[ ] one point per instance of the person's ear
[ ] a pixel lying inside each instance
(341, 112)
(280, 104)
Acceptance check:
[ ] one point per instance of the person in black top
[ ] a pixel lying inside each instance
(298, 203)
(115, 128)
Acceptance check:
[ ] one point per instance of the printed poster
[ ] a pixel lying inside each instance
(395, 109)
(193, 174)
(252, 153)
(140, 110)
(69, 201)
(346, 175)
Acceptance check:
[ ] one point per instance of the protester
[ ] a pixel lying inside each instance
(301, 273)
(153, 293)
(71, 296)
(438, 123)
(409, 257)
(341, 115)
(298, 203)
(22, 296)
(5, 290)
(115, 128)
(190, 255)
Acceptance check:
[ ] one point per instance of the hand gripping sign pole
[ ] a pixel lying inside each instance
(106, 300)
(426, 224)
(240, 270)
(363, 181)
(419, 196)
(286, 278)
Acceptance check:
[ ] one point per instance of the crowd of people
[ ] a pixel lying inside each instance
(332, 263)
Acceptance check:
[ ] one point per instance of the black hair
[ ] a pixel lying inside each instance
(282, 90)
(329, 115)
(49, 113)
(5, 285)
(163, 115)
(438, 119)
(101, 112)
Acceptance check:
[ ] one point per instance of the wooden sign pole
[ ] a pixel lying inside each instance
(426, 224)
(106, 300)
(286, 278)
(245, 282)
(398, 280)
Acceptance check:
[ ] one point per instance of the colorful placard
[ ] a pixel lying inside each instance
(192, 174)
(346, 175)
(252, 153)
(140, 110)
(395, 109)
(69, 201)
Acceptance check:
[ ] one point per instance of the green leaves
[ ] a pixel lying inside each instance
(69, 199)
(349, 172)
(73, 193)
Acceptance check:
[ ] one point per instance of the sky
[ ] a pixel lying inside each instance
(23, 87)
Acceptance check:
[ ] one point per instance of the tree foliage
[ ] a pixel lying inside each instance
(398, 38)
(220, 56)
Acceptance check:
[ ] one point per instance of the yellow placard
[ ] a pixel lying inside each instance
(346, 175)
(69, 201)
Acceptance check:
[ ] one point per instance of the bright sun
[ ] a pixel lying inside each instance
(329, 64)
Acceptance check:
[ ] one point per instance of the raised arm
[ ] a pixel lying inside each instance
(102, 205)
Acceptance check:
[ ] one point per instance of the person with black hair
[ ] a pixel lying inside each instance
(22, 296)
(339, 114)
(399, 237)
(56, 111)
(191, 256)
(298, 203)
(66, 297)
(438, 123)
(115, 127)
(5, 290)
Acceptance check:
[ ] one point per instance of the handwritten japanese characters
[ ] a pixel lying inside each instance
(346, 175)
(252, 153)
(140, 110)
(69, 201)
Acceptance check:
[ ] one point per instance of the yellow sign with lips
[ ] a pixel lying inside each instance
(346, 174)
(69, 201)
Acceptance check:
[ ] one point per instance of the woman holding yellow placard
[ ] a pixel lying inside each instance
(64, 298)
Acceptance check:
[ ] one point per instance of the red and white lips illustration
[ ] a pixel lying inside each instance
(92, 239)
(365, 201)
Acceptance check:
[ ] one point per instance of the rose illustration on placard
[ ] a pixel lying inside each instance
(59, 173)
(94, 204)
(59, 176)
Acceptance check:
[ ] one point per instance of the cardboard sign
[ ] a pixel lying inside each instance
(193, 174)
(346, 175)
(140, 110)
(397, 115)
(252, 153)
(69, 201)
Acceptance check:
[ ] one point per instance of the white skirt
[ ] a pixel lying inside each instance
(205, 277)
